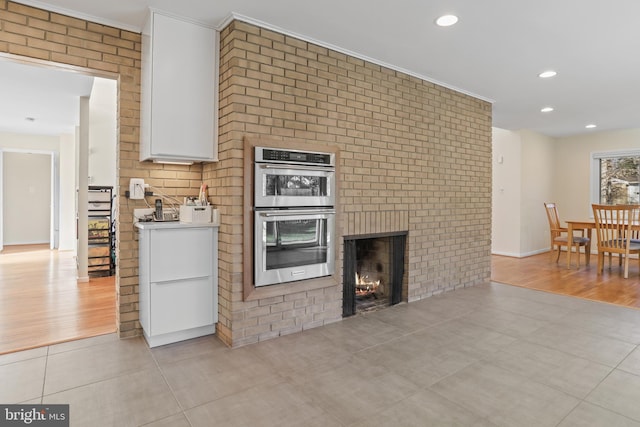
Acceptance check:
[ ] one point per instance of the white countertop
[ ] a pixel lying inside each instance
(153, 225)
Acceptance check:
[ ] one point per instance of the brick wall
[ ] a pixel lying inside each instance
(44, 37)
(413, 156)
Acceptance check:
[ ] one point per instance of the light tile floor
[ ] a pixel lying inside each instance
(493, 355)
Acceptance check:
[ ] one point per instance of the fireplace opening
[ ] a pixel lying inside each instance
(373, 272)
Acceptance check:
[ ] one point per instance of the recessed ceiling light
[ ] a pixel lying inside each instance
(547, 74)
(547, 109)
(591, 126)
(446, 20)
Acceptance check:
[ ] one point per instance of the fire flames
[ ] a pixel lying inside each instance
(365, 286)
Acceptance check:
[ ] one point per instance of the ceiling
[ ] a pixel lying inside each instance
(40, 100)
(495, 51)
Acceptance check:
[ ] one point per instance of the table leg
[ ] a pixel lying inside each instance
(587, 248)
(569, 244)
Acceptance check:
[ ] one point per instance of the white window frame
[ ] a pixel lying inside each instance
(595, 168)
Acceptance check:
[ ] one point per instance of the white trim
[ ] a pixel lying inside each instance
(83, 190)
(54, 231)
(614, 154)
(75, 14)
(532, 253)
(520, 255)
(509, 254)
(28, 242)
(235, 16)
(28, 151)
(594, 181)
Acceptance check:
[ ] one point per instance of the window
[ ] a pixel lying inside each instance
(615, 177)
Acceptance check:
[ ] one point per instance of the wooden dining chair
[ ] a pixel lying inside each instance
(559, 234)
(613, 230)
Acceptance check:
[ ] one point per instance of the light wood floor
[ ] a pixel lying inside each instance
(41, 303)
(542, 273)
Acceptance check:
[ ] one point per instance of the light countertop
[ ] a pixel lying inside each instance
(153, 225)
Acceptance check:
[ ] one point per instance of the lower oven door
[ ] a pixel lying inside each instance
(293, 245)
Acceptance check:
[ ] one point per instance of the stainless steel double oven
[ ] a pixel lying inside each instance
(294, 215)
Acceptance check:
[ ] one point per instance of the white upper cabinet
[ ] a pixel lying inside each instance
(179, 99)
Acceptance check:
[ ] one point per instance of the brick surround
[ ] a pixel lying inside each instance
(413, 156)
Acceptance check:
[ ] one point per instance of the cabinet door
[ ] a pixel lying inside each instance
(183, 89)
(181, 305)
(181, 254)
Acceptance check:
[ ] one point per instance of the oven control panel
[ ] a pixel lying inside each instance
(274, 155)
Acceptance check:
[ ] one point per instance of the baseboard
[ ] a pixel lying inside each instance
(536, 252)
(26, 243)
(519, 255)
(509, 254)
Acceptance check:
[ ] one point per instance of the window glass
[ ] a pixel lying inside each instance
(618, 181)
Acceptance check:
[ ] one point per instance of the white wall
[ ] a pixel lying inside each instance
(14, 141)
(537, 187)
(573, 167)
(507, 191)
(102, 132)
(67, 193)
(27, 198)
(543, 169)
(17, 141)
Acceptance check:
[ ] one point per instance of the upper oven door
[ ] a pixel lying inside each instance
(293, 186)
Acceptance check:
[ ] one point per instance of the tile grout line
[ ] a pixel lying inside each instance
(44, 375)
(173, 394)
(615, 368)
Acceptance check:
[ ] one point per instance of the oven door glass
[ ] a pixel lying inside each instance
(280, 186)
(293, 245)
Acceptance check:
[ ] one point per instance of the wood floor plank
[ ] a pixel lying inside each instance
(41, 302)
(542, 273)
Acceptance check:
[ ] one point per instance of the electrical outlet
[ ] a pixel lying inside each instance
(136, 188)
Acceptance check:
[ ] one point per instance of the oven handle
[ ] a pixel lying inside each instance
(298, 167)
(300, 212)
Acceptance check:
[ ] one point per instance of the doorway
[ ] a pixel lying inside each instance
(52, 273)
(27, 198)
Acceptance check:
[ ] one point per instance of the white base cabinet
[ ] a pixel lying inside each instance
(178, 269)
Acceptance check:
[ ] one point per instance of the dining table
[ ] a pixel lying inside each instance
(587, 225)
